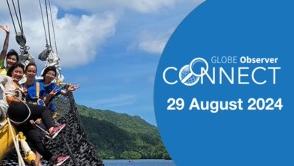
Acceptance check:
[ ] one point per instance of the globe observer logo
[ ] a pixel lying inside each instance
(198, 71)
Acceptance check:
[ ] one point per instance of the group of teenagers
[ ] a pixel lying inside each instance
(28, 102)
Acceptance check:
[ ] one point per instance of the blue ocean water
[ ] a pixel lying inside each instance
(138, 163)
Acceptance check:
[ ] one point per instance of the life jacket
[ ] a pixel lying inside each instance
(3, 70)
(3, 102)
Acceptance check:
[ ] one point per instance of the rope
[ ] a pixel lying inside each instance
(48, 24)
(45, 31)
(71, 154)
(52, 24)
(11, 16)
(16, 15)
(20, 38)
(16, 145)
(19, 12)
(18, 123)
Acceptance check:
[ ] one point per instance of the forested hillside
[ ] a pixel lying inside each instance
(120, 136)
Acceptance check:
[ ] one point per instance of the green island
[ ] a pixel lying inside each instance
(121, 136)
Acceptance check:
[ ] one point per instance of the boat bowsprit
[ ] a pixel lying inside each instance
(72, 140)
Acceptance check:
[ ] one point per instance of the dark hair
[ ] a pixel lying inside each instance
(30, 64)
(12, 68)
(11, 53)
(49, 68)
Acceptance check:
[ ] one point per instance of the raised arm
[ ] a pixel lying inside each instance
(6, 41)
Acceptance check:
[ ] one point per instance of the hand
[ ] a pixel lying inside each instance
(5, 28)
(25, 90)
(52, 93)
(16, 100)
(72, 88)
(38, 121)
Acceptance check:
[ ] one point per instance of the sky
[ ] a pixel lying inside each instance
(111, 48)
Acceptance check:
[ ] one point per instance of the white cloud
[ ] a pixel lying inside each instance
(147, 6)
(143, 6)
(78, 37)
(153, 43)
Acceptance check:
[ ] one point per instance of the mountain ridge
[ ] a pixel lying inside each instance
(121, 136)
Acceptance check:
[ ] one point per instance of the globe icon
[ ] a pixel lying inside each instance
(186, 77)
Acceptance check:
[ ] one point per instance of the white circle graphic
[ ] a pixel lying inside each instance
(197, 61)
(187, 77)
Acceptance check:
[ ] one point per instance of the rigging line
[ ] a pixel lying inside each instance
(43, 23)
(19, 12)
(52, 24)
(11, 16)
(16, 15)
(48, 24)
